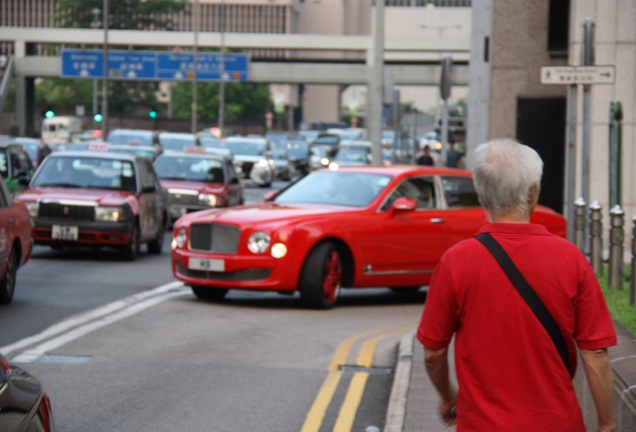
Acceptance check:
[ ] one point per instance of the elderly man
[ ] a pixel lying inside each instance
(511, 374)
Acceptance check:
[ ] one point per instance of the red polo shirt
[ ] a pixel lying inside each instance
(509, 372)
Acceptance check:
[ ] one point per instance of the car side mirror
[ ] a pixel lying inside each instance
(403, 204)
(234, 180)
(148, 189)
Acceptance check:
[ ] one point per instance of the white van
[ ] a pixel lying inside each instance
(60, 128)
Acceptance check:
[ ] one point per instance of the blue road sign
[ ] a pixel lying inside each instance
(151, 65)
(180, 66)
(82, 64)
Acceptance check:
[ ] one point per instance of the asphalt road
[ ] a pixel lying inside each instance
(122, 346)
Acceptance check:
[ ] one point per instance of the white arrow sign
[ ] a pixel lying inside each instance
(578, 74)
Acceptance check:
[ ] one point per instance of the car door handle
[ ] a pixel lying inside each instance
(438, 220)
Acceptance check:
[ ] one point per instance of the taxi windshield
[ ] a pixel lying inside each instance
(190, 168)
(87, 172)
(345, 188)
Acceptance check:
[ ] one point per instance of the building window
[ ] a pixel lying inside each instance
(558, 28)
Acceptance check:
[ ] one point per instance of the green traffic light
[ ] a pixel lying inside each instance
(98, 118)
(153, 114)
(49, 114)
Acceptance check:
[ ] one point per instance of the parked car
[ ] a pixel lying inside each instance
(178, 140)
(253, 157)
(16, 167)
(15, 244)
(24, 404)
(97, 199)
(198, 181)
(35, 148)
(353, 227)
(133, 136)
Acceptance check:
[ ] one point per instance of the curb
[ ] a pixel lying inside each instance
(396, 411)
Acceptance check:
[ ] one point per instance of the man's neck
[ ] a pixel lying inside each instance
(512, 217)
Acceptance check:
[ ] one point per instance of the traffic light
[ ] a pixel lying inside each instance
(46, 111)
(98, 118)
(152, 113)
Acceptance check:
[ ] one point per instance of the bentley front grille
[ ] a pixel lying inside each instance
(216, 238)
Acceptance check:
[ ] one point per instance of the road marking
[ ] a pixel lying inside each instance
(316, 414)
(66, 331)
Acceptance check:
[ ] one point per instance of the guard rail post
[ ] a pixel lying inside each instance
(617, 237)
(579, 224)
(596, 240)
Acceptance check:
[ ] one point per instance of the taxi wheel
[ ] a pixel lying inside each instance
(209, 293)
(131, 250)
(7, 284)
(321, 277)
(156, 246)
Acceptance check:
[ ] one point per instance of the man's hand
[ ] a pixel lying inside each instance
(448, 413)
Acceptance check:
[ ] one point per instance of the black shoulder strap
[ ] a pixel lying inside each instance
(528, 294)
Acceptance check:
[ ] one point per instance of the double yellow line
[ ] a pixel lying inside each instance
(352, 399)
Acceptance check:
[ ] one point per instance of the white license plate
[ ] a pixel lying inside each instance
(206, 264)
(64, 232)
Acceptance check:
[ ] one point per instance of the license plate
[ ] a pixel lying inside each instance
(64, 232)
(206, 264)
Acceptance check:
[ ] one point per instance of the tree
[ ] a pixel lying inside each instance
(243, 101)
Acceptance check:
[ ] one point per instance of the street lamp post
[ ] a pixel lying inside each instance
(222, 72)
(95, 25)
(105, 71)
(196, 69)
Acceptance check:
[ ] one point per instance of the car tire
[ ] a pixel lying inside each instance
(7, 284)
(131, 250)
(155, 246)
(209, 293)
(321, 277)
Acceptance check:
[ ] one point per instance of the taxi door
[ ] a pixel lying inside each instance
(151, 200)
(235, 187)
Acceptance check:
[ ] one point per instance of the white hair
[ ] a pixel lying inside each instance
(504, 171)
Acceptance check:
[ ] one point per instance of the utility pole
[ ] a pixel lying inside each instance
(193, 126)
(105, 71)
(222, 72)
(376, 74)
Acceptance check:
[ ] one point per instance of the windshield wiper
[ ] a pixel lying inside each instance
(70, 185)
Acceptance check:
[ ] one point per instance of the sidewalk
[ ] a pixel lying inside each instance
(413, 401)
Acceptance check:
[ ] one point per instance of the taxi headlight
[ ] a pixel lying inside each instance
(112, 214)
(258, 242)
(33, 207)
(208, 200)
(263, 163)
(180, 239)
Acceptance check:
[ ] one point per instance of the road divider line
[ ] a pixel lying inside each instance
(349, 407)
(96, 314)
(367, 351)
(316, 414)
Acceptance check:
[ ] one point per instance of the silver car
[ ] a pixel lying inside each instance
(254, 157)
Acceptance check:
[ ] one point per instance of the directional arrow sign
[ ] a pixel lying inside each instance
(578, 75)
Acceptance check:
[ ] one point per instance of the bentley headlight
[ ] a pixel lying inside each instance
(279, 250)
(112, 214)
(208, 200)
(258, 242)
(180, 239)
(33, 208)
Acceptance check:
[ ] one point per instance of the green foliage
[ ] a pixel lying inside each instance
(618, 302)
(123, 14)
(64, 94)
(243, 101)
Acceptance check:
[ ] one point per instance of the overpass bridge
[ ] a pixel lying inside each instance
(411, 61)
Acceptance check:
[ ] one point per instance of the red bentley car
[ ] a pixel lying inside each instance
(15, 242)
(351, 227)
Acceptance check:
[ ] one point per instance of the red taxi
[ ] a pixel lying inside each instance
(15, 242)
(197, 180)
(97, 199)
(352, 227)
